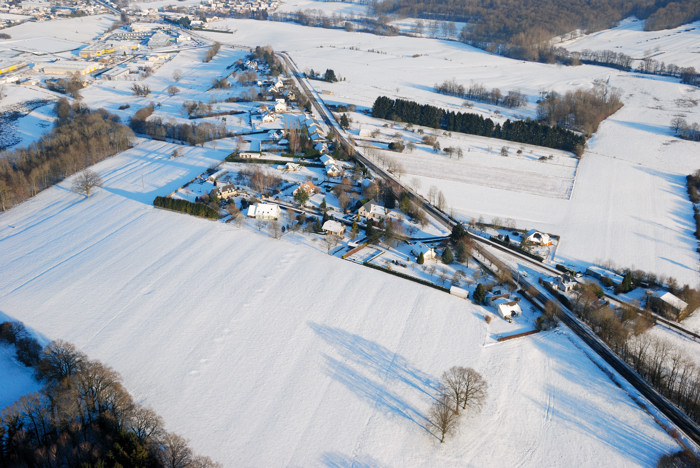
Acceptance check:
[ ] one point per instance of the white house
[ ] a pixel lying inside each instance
(280, 106)
(321, 147)
(264, 211)
(538, 238)
(269, 117)
(326, 160)
(371, 210)
(421, 248)
(334, 227)
(333, 171)
(507, 308)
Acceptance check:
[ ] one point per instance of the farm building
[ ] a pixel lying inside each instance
(66, 67)
(264, 211)
(334, 227)
(538, 238)
(668, 304)
(371, 210)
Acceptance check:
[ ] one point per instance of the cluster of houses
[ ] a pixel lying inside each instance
(215, 9)
(51, 10)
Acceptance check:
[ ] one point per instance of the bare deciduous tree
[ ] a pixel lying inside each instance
(173, 90)
(60, 360)
(177, 74)
(86, 181)
(443, 417)
(475, 389)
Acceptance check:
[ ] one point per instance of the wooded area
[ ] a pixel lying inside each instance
(82, 416)
(80, 139)
(192, 134)
(521, 28)
(522, 131)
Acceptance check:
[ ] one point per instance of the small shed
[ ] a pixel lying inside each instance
(459, 292)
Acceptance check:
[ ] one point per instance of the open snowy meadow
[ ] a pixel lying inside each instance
(267, 352)
(271, 353)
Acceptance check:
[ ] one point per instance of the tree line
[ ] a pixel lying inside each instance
(580, 110)
(184, 206)
(665, 366)
(80, 139)
(82, 416)
(190, 133)
(693, 184)
(524, 29)
(478, 92)
(522, 131)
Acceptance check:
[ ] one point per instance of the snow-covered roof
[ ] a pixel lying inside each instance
(421, 248)
(507, 308)
(263, 210)
(372, 208)
(326, 160)
(673, 301)
(333, 226)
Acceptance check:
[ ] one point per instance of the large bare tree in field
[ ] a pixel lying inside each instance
(443, 416)
(86, 181)
(475, 389)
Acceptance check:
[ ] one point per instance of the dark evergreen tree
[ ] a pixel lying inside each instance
(479, 294)
(447, 256)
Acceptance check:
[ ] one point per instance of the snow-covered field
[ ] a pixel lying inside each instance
(679, 46)
(629, 202)
(57, 35)
(270, 353)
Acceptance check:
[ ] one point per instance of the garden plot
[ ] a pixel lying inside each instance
(544, 172)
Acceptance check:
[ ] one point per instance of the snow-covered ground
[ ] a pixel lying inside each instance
(17, 379)
(629, 202)
(269, 353)
(679, 46)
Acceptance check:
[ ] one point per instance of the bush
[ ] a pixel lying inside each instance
(184, 206)
(28, 351)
